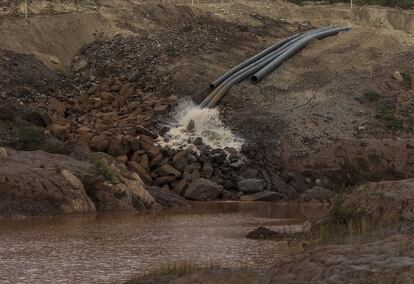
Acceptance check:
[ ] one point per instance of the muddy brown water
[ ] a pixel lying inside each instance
(107, 247)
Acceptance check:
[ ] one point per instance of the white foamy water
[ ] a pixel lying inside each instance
(207, 126)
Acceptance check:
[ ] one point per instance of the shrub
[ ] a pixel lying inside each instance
(102, 172)
(372, 96)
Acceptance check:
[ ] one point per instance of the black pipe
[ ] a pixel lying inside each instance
(267, 58)
(292, 50)
(221, 90)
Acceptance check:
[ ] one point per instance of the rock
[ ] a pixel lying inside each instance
(60, 130)
(42, 184)
(190, 126)
(156, 160)
(143, 174)
(181, 186)
(397, 76)
(262, 196)
(166, 198)
(207, 171)
(318, 194)
(263, 233)
(203, 189)
(252, 185)
(147, 143)
(144, 162)
(99, 143)
(250, 173)
(348, 263)
(167, 170)
(385, 201)
(294, 179)
(180, 160)
(3, 153)
(160, 181)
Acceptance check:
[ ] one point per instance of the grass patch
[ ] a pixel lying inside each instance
(61, 73)
(391, 122)
(407, 82)
(372, 96)
(172, 52)
(104, 173)
(243, 28)
(337, 214)
(31, 138)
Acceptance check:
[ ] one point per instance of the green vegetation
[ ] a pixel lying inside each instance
(388, 115)
(31, 138)
(407, 83)
(337, 214)
(372, 96)
(406, 4)
(243, 28)
(172, 52)
(61, 72)
(104, 173)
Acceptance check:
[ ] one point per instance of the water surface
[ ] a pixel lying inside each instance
(107, 247)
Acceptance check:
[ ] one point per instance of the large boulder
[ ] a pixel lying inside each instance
(265, 195)
(382, 201)
(40, 184)
(203, 189)
(251, 185)
(166, 198)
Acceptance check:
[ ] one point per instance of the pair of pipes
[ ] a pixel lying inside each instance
(260, 65)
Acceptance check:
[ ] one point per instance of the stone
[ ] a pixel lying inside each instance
(263, 233)
(144, 175)
(167, 170)
(147, 143)
(41, 184)
(181, 186)
(203, 189)
(318, 194)
(397, 76)
(160, 181)
(166, 198)
(294, 179)
(60, 130)
(190, 126)
(3, 153)
(262, 196)
(180, 160)
(252, 185)
(156, 160)
(99, 143)
(207, 171)
(145, 162)
(250, 173)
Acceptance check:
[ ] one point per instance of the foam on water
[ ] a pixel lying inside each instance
(207, 125)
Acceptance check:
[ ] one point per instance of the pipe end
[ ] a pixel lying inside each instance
(212, 86)
(254, 79)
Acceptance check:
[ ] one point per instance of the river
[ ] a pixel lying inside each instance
(113, 247)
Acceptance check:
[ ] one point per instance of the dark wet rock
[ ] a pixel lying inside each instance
(160, 181)
(203, 189)
(181, 186)
(317, 193)
(279, 185)
(207, 170)
(294, 179)
(252, 185)
(166, 198)
(190, 126)
(167, 170)
(262, 196)
(180, 160)
(263, 233)
(250, 173)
